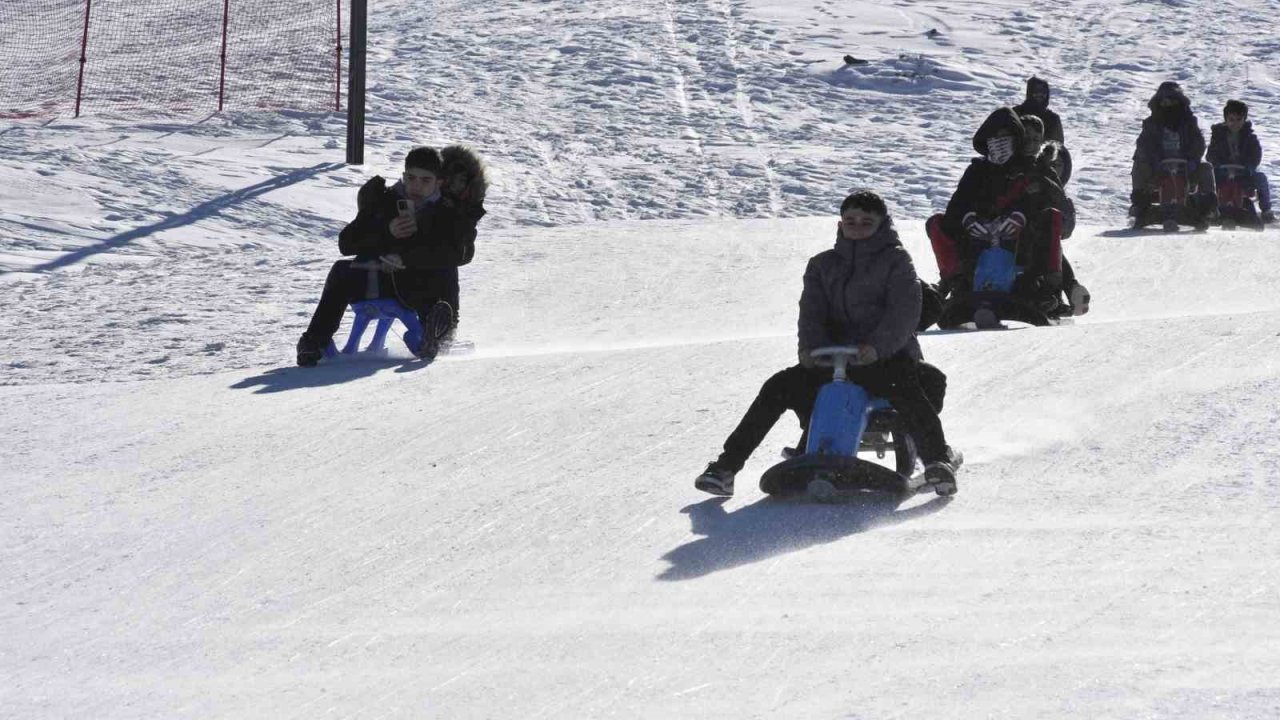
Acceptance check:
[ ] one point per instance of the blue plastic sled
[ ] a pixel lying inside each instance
(846, 420)
(993, 298)
(385, 311)
(996, 272)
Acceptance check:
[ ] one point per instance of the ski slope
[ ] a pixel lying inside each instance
(193, 527)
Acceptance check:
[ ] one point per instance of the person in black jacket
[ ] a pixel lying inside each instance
(1053, 160)
(1037, 104)
(1171, 132)
(1003, 198)
(408, 241)
(1233, 142)
(863, 292)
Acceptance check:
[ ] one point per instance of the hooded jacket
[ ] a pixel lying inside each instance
(1169, 134)
(445, 237)
(1248, 151)
(1052, 123)
(991, 190)
(862, 292)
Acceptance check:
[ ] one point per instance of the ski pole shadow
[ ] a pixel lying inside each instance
(327, 373)
(772, 527)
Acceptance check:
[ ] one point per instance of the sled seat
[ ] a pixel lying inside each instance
(384, 311)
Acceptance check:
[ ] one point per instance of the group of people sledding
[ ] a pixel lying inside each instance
(865, 292)
(408, 241)
(1171, 163)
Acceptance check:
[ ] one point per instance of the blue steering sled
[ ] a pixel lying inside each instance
(847, 420)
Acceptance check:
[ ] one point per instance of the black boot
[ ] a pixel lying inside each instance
(1139, 205)
(437, 323)
(310, 350)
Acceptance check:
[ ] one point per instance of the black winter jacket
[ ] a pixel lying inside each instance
(445, 237)
(1248, 151)
(1165, 128)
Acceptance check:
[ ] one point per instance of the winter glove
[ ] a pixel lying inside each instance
(807, 361)
(1011, 226)
(367, 198)
(976, 229)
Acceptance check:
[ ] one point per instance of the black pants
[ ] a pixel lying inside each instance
(898, 380)
(418, 289)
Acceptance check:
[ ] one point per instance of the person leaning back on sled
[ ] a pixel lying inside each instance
(863, 292)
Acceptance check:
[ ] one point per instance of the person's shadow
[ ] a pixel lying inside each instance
(326, 373)
(772, 527)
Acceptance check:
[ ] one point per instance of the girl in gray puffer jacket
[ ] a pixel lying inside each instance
(863, 292)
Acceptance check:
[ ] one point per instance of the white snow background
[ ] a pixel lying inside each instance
(192, 527)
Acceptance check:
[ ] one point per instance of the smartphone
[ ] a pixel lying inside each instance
(405, 207)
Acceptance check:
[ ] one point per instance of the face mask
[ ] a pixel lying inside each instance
(1000, 149)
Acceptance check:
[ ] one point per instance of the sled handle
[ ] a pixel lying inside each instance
(836, 357)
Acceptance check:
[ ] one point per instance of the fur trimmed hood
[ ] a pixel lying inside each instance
(1170, 89)
(462, 175)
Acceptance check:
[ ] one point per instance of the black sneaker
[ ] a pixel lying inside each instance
(715, 480)
(941, 474)
(436, 325)
(310, 350)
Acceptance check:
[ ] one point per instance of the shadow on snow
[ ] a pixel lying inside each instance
(771, 527)
(327, 373)
(195, 214)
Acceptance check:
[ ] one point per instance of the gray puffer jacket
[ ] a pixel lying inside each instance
(862, 292)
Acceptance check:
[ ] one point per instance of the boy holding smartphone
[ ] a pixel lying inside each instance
(408, 241)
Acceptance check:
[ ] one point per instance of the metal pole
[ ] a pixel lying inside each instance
(222, 72)
(355, 82)
(84, 46)
(337, 56)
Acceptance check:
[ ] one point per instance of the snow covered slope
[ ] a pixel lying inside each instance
(192, 527)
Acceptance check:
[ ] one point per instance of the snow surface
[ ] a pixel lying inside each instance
(192, 527)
